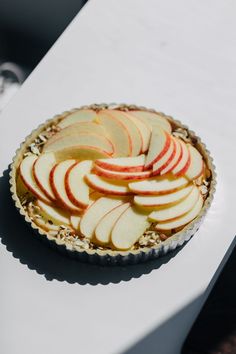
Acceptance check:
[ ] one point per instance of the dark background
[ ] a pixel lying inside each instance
(28, 29)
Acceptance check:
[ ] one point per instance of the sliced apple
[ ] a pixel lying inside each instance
(57, 180)
(105, 186)
(133, 131)
(82, 115)
(144, 128)
(118, 133)
(56, 215)
(41, 170)
(75, 221)
(153, 119)
(94, 140)
(184, 219)
(95, 212)
(158, 185)
(81, 152)
(105, 225)
(173, 163)
(166, 199)
(41, 222)
(26, 173)
(165, 160)
(159, 145)
(123, 164)
(76, 187)
(196, 165)
(176, 210)
(20, 186)
(181, 168)
(94, 195)
(77, 128)
(125, 176)
(129, 228)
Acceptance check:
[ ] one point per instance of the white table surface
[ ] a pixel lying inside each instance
(177, 57)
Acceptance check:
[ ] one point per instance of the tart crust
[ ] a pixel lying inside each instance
(71, 245)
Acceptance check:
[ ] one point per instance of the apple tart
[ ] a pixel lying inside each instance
(113, 183)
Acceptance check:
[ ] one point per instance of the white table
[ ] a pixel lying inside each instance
(178, 57)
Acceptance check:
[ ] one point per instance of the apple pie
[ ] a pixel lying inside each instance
(113, 183)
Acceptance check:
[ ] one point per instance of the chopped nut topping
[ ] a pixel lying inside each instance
(149, 238)
(182, 134)
(203, 189)
(34, 149)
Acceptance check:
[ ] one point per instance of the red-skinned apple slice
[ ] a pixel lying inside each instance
(165, 199)
(129, 228)
(122, 176)
(105, 186)
(176, 210)
(57, 180)
(69, 141)
(159, 145)
(118, 134)
(77, 128)
(144, 128)
(133, 131)
(95, 212)
(123, 164)
(153, 119)
(196, 166)
(105, 225)
(173, 163)
(182, 220)
(83, 115)
(27, 177)
(165, 160)
(56, 215)
(41, 170)
(76, 187)
(184, 162)
(158, 185)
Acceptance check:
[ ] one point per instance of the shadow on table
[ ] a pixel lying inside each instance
(212, 331)
(22, 243)
(169, 336)
(215, 328)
